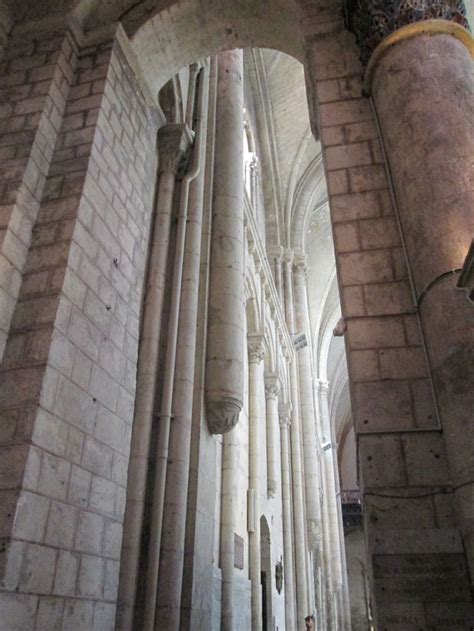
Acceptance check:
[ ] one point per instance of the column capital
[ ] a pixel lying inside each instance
(284, 412)
(272, 386)
(300, 266)
(373, 20)
(174, 145)
(256, 351)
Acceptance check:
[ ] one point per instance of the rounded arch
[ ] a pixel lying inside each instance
(169, 34)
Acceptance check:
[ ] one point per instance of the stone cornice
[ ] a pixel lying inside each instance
(372, 21)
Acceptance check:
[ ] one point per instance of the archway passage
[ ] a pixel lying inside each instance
(82, 193)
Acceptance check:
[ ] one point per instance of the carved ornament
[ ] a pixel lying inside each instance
(222, 415)
(373, 20)
(256, 349)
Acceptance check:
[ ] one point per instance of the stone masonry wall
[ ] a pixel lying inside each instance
(400, 447)
(35, 78)
(67, 382)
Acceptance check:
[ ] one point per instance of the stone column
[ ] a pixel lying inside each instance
(285, 423)
(174, 142)
(334, 514)
(256, 376)
(271, 409)
(296, 460)
(420, 77)
(229, 464)
(308, 414)
(225, 342)
(177, 472)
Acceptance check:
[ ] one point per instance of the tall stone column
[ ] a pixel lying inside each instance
(335, 513)
(296, 459)
(225, 342)
(426, 115)
(271, 408)
(308, 414)
(174, 142)
(256, 377)
(285, 423)
(229, 464)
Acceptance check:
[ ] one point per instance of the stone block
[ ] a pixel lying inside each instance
(113, 538)
(50, 614)
(89, 533)
(104, 617)
(91, 577)
(379, 233)
(343, 112)
(75, 405)
(78, 615)
(66, 573)
(103, 496)
(18, 611)
(381, 462)
(111, 580)
(403, 363)
(382, 405)
(61, 525)
(38, 569)
(375, 333)
(97, 457)
(388, 298)
(79, 487)
(348, 155)
(338, 182)
(54, 477)
(50, 433)
(353, 301)
(426, 459)
(359, 268)
(367, 178)
(31, 516)
(346, 237)
(364, 365)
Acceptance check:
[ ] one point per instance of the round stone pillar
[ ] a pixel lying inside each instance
(256, 384)
(271, 408)
(420, 77)
(285, 422)
(225, 340)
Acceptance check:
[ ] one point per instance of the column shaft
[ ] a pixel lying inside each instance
(229, 464)
(173, 143)
(296, 462)
(225, 342)
(256, 420)
(177, 474)
(271, 408)
(426, 115)
(286, 498)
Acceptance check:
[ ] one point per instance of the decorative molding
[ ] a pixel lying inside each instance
(373, 20)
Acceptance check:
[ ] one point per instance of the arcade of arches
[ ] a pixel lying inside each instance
(236, 319)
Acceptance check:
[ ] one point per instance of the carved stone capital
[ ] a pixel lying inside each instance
(256, 349)
(272, 487)
(373, 20)
(174, 145)
(300, 268)
(222, 415)
(271, 386)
